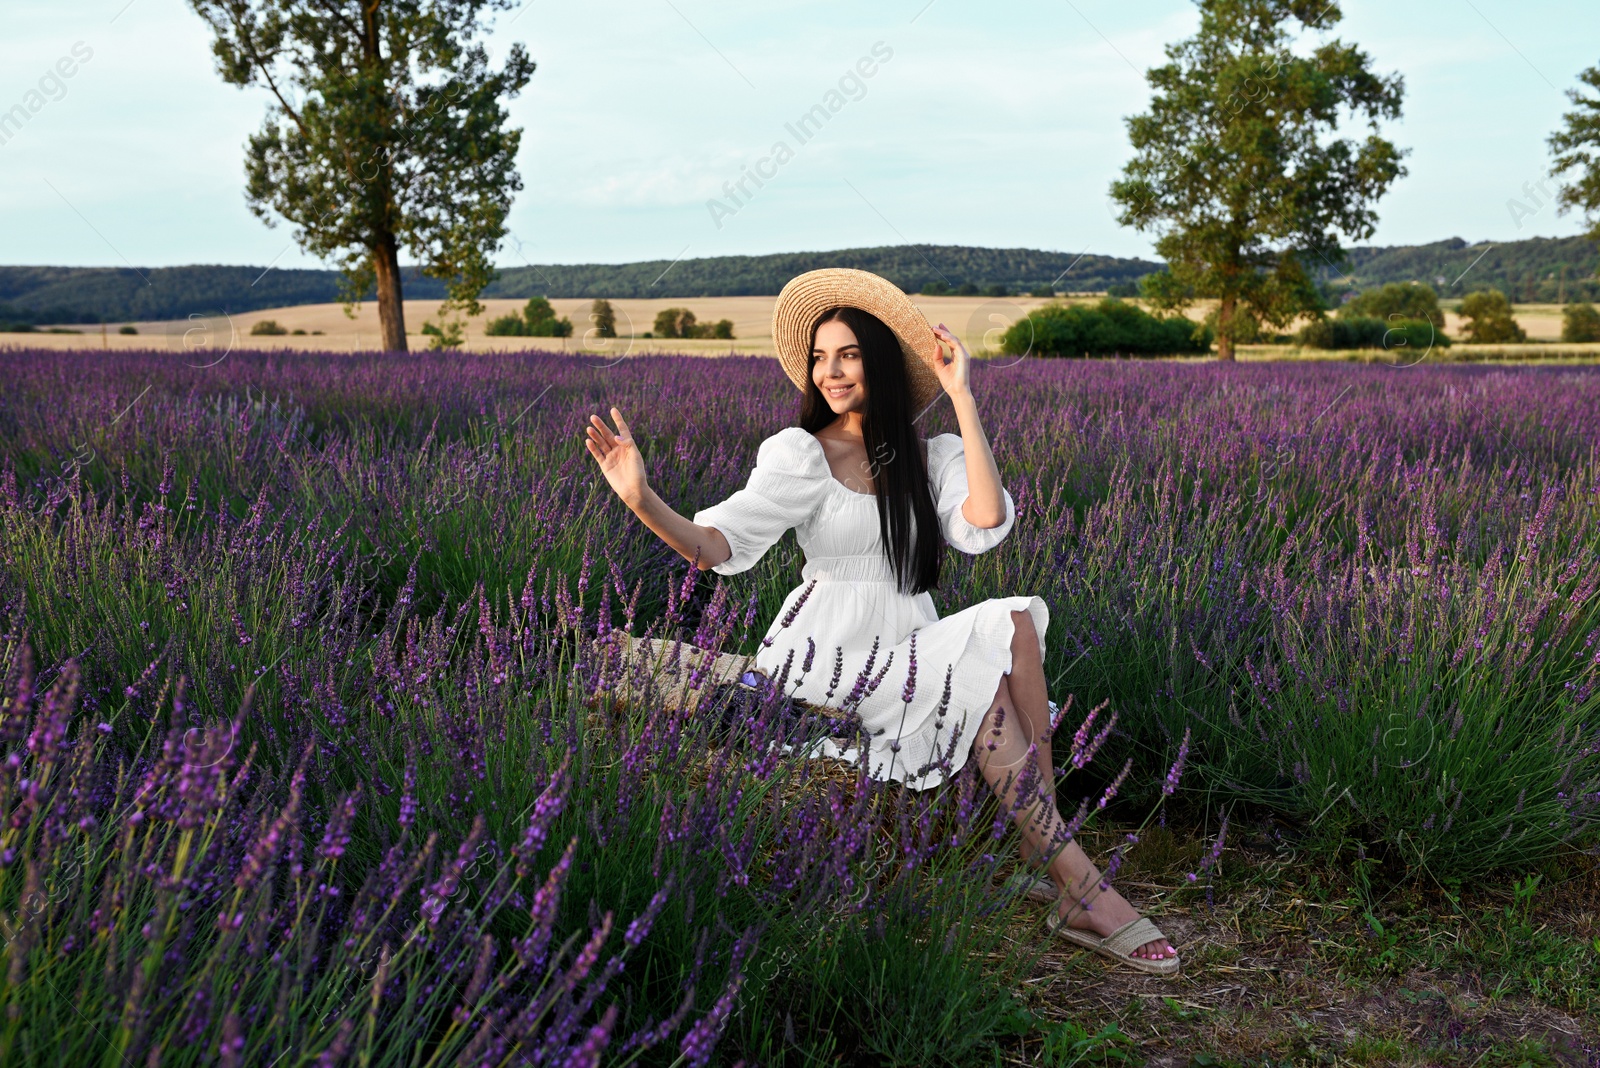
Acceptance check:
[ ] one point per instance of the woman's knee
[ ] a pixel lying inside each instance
(1024, 638)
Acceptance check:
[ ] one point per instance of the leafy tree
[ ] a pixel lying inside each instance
(1577, 148)
(723, 328)
(604, 318)
(935, 289)
(1489, 318)
(666, 324)
(1396, 301)
(1235, 166)
(1580, 322)
(386, 131)
(267, 327)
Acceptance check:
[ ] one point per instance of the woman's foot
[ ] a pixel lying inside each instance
(1107, 911)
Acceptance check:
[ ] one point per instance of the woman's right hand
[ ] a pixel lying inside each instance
(620, 459)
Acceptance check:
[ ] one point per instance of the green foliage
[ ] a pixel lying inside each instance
(1539, 269)
(1126, 290)
(386, 131)
(966, 289)
(996, 291)
(681, 322)
(538, 319)
(935, 289)
(1396, 301)
(267, 327)
(1234, 166)
(666, 324)
(1577, 149)
(1367, 332)
(446, 334)
(1580, 323)
(1111, 326)
(604, 318)
(1489, 318)
(134, 330)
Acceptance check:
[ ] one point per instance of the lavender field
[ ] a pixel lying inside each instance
(315, 751)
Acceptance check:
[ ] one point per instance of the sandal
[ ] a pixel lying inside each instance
(1119, 944)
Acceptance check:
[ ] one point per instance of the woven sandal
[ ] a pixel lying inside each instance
(1035, 887)
(1119, 944)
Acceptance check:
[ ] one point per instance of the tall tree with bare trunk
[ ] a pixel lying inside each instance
(1236, 167)
(385, 132)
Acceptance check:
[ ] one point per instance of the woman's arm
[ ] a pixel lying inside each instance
(984, 507)
(623, 466)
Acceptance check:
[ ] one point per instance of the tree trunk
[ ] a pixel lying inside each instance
(391, 312)
(1225, 328)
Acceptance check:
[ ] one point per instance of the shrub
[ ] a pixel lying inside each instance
(1041, 291)
(299, 333)
(1123, 290)
(268, 327)
(448, 335)
(936, 289)
(1111, 325)
(131, 329)
(604, 318)
(1580, 323)
(671, 321)
(1394, 302)
(723, 328)
(966, 289)
(995, 291)
(538, 319)
(1490, 321)
(1365, 332)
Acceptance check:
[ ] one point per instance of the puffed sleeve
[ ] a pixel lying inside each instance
(947, 468)
(787, 486)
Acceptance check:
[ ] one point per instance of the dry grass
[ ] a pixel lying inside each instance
(1281, 967)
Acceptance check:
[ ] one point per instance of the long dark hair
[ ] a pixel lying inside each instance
(900, 470)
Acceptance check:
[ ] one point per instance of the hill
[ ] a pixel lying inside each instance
(1535, 270)
(96, 294)
(1540, 270)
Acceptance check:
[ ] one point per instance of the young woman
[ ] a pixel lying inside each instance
(873, 507)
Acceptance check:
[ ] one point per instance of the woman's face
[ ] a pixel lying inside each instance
(836, 367)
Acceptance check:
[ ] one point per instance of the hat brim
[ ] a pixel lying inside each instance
(807, 296)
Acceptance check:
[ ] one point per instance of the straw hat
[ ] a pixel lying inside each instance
(807, 296)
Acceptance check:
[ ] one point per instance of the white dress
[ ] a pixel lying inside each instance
(855, 600)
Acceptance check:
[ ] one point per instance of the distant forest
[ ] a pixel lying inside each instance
(1540, 270)
(1536, 270)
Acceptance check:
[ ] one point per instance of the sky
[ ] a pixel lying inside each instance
(981, 123)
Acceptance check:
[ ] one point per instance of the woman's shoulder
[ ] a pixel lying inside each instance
(941, 447)
(793, 450)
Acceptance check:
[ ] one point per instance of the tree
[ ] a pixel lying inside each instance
(604, 319)
(1580, 322)
(1577, 148)
(386, 132)
(1489, 318)
(538, 319)
(1396, 301)
(1236, 169)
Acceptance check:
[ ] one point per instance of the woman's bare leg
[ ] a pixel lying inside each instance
(1019, 714)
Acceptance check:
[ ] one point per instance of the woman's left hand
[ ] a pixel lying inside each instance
(954, 376)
